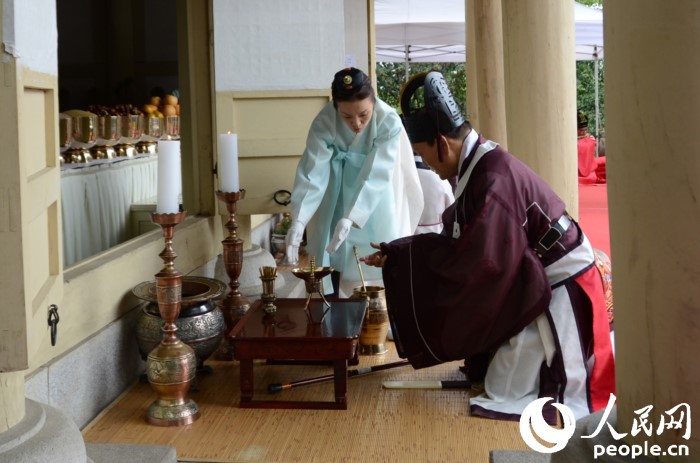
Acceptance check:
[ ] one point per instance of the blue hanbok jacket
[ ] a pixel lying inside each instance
(369, 178)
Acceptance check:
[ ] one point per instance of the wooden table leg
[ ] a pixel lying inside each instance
(340, 371)
(246, 372)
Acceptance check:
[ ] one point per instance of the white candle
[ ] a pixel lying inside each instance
(228, 162)
(169, 177)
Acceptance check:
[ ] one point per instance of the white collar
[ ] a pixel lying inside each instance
(417, 158)
(469, 142)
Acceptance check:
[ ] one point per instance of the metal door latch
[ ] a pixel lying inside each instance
(53, 322)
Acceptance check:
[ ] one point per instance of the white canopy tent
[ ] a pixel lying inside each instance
(419, 31)
(434, 32)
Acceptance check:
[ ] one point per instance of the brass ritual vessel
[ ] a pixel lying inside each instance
(83, 138)
(171, 130)
(153, 130)
(171, 365)
(108, 135)
(65, 134)
(234, 305)
(375, 325)
(313, 281)
(131, 132)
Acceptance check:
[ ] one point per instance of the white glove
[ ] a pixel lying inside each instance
(342, 229)
(293, 240)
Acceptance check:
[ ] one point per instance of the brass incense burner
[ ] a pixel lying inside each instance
(313, 280)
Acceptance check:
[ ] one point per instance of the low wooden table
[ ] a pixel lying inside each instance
(288, 335)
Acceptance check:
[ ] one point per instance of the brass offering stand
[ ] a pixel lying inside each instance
(234, 305)
(313, 280)
(171, 366)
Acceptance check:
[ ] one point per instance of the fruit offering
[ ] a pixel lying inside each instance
(168, 105)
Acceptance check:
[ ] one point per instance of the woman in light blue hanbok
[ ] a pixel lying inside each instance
(356, 182)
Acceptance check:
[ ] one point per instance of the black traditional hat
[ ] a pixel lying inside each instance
(437, 113)
(348, 81)
(582, 120)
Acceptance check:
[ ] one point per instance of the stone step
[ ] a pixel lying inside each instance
(128, 453)
(518, 456)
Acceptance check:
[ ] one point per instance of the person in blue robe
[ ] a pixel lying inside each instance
(356, 182)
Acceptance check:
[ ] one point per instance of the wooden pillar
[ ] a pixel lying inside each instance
(652, 118)
(488, 49)
(540, 83)
(472, 65)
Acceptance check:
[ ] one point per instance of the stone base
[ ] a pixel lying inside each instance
(517, 456)
(123, 453)
(44, 434)
(578, 449)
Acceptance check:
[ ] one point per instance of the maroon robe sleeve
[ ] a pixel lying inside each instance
(449, 299)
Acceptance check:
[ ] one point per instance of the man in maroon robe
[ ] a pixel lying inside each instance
(512, 278)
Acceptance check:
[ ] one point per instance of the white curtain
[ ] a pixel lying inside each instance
(96, 203)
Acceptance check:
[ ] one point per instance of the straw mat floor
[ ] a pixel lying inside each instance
(380, 425)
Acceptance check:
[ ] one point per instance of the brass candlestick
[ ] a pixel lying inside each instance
(234, 304)
(171, 366)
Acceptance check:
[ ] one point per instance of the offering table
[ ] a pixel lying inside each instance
(288, 334)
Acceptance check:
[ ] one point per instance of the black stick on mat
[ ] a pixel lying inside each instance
(274, 388)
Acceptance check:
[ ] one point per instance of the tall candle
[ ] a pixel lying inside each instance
(228, 162)
(169, 177)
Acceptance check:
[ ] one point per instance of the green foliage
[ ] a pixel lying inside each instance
(585, 92)
(593, 3)
(392, 76)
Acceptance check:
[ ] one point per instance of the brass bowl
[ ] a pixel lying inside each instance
(312, 280)
(305, 272)
(194, 290)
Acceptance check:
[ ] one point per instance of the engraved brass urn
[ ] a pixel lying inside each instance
(200, 324)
